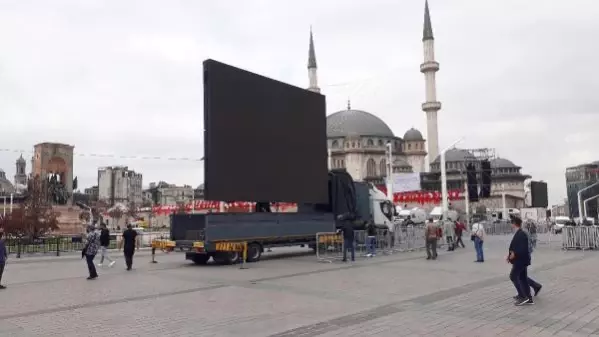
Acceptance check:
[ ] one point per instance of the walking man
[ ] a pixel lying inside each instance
(128, 244)
(104, 243)
(478, 237)
(531, 228)
(348, 236)
(519, 257)
(449, 229)
(459, 231)
(90, 251)
(534, 285)
(430, 236)
(370, 239)
(3, 257)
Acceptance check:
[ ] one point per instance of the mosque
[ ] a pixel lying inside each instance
(357, 139)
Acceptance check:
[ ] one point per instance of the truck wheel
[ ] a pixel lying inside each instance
(201, 259)
(226, 257)
(254, 252)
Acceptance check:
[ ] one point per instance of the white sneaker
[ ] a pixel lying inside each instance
(99, 265)
(112, 264)
(368, 255)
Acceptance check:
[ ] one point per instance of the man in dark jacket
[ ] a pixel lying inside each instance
(104, 243)
(3, 256)
(370, 239)
(519, 257)
(348, 235)
(128, 244)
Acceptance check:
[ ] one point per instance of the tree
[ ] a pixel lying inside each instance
(132, 211)
(35, 217)
(116, 213)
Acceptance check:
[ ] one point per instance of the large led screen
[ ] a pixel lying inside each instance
(264, 140)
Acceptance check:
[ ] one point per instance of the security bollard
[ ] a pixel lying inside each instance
(244, 256)
(153, 255)
(19, 248)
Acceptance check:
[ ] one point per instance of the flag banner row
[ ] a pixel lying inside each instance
(422, 197)
(214, 206)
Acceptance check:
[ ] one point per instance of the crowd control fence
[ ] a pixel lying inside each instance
(580, 237)
(330, 246)
(58, 245)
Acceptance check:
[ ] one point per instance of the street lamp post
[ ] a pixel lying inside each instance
(390, 171)
(444, 196)
(580, 211)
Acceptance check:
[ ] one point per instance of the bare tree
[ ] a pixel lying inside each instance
(35, 217)
(116, 213)
(132, 211)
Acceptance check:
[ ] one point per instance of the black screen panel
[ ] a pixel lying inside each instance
(264, 140)
(538, 194)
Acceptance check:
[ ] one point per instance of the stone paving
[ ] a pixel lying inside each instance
(293, 295)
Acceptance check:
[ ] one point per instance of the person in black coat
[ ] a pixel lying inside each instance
(519, 257)
(348, 234)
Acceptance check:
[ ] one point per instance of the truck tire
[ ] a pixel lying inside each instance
(226, 257)
(254, 252)
(201, 259)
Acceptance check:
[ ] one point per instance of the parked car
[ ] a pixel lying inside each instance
(560, 223)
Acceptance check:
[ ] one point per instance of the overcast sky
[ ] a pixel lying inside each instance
(124, 77)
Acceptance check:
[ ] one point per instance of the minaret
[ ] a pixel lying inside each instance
(21, 176)
(312, 76)
(431, 106)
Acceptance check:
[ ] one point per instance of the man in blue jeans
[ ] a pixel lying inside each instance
(478, 236)
(348, 236)
(371, 239)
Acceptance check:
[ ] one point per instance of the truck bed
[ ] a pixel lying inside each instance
(248, 226)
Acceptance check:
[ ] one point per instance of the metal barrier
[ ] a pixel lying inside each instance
(329, 247)
(57, 245)
(580, 237)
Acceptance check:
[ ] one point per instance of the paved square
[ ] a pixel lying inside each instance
(394, 295)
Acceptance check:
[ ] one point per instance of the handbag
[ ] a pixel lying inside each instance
(472, 237)
(84, 250)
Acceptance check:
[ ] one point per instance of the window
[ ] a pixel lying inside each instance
(381, 142)
(335, 144)
(409, 146)
(371, 168)
(353, 145)
(383, 167)
(342, 163)
(370, 143)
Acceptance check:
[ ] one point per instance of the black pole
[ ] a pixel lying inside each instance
(19, 247)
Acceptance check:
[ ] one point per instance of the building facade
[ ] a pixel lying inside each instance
(578, 178)
(118, 184)
(506, 177)
(166, 194)
(92, 193)
(358, 140)
(6, 187)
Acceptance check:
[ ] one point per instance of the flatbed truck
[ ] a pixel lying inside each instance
(224, 236)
